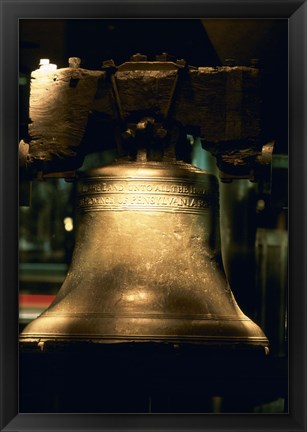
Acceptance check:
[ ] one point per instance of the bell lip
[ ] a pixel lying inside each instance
(237, 329)
(230, 340)
(152, 170)
(251, 339)
(209, 341)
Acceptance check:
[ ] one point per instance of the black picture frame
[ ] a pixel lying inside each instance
(11, 11)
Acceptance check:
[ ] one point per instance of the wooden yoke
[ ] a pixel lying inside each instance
(144, 109)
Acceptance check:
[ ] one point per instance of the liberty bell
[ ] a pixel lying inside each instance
(144, 266)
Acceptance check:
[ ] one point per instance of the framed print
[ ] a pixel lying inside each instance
(153, 215)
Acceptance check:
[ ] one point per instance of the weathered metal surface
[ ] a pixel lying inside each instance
(144, 266)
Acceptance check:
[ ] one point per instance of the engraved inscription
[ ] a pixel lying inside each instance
(142, 187)
(132, 200)
(144, 195)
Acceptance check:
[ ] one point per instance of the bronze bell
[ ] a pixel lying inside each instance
(144, 266)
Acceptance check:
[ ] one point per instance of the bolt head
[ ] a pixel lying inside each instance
(74, 62)
(108, 63)
(138, 57)
(181, 62)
